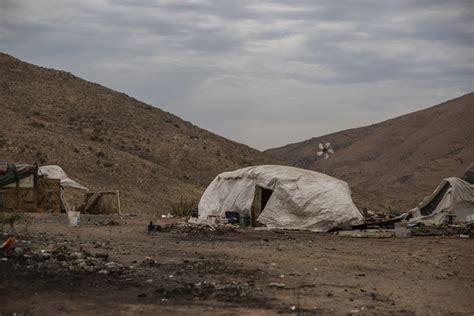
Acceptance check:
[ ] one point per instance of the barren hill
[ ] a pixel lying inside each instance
(108, 140)
(401, 159)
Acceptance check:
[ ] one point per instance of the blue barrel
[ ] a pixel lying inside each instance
(233, 217)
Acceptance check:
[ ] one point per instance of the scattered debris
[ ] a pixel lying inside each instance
(224, 292)
(153, 228)
(404, 229)
(380, 219)
(443, 230)
(149, 262)
(369, 233)
(401, 230)
(192, 229)
(8, 243)
(106, 222)
(65, 258)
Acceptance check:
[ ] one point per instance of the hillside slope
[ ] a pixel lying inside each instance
(108, 140)
(402, 158)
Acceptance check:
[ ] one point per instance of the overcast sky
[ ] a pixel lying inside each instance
(264, 73)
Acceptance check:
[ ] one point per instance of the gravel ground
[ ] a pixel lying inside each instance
(110, 265)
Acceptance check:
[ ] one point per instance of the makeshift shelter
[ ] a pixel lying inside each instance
(13, 175)
(453, 200)
(281, 197)
(56, 172)
(18, 186)
(29, 188)
(102, 202)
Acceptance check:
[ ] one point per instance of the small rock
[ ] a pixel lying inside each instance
(77, 255)
(61, 257)
(112, 265)
(149, 261)
(102, 255)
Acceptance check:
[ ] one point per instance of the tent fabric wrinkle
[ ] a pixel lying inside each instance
(301, 199)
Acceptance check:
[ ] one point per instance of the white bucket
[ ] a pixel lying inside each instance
(73, 218)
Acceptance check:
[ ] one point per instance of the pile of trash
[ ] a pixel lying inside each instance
(398, 227)
(461, 230)
(192, 229)
(63, 258)
(371, 216)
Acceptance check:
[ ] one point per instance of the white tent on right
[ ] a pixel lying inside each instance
(453, 197)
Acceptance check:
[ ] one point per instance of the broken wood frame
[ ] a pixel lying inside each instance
(102, 202)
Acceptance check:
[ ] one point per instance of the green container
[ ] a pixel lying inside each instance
(245, 220)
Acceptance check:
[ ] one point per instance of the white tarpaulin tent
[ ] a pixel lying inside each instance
(281, 197)
(453, 196)
(56, 172)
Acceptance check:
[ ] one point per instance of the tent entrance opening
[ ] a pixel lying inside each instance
(266, 194)
(260, 200)
(430, 207)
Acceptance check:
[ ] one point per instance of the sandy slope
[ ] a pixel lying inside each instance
(108, 140)
(403, 158)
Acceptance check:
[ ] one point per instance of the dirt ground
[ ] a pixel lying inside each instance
(119, 269)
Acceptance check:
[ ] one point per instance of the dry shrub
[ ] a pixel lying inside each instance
(183, 206)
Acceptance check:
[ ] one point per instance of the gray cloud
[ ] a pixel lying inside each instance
(263, 73)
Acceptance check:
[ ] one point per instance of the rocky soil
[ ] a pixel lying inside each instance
(111, 265)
